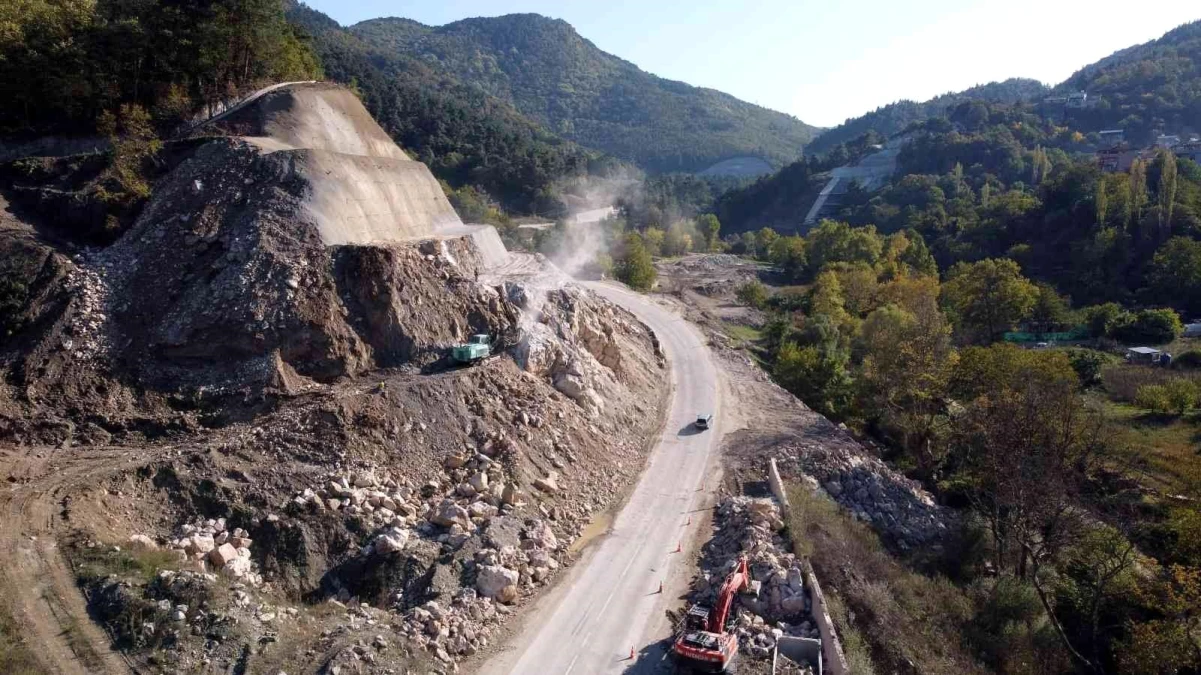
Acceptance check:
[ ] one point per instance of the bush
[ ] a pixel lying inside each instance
(1088, 364)
(1152, 326)
(14, 297)
(1190, 360)
(1122, 381)
(1182, 395)
(752, 294)
(635, 267)
(1153, 397)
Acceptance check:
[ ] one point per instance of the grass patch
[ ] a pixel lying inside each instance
(1122, 381)
(742, 332)
(16, 655)
(101, 561)
(1162, 447)
(854, 647)
(891, 618)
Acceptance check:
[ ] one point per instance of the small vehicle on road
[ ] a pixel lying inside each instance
(703, 421)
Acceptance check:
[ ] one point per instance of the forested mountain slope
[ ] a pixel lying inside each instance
(465, 135)
(555, 76)
(1147, 89)
(894, 117)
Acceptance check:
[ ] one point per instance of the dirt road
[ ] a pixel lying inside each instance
(43, 595)
(611, 603)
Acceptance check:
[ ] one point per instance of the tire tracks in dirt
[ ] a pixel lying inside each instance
(44, 598)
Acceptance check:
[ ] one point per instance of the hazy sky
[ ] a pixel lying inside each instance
(825, 61)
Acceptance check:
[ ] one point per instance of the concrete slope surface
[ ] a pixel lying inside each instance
(611, 603)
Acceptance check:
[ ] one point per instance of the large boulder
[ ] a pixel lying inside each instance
(542, 535)
(222, 555)
(494, 581)
(449, 513)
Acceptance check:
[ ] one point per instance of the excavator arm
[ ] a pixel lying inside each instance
(738, 580)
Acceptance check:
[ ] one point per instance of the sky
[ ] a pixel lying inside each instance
(826, 61)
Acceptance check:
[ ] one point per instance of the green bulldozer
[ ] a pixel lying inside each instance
(476, 349)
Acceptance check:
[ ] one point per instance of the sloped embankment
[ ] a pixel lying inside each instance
(272, 336)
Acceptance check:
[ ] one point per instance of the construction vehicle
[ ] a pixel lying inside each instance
(476, 349)
(705, 645)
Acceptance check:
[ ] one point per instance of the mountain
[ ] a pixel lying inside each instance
(1146, 90)
(556, 77)
(895, 117)
(466, 135)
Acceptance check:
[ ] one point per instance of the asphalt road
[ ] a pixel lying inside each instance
(609, 603)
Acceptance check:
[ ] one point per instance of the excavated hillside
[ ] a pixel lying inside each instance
(241, 424)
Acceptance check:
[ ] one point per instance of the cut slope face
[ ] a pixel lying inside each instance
(317, 116)
(360, 187)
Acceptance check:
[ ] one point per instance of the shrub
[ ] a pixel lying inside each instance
(752, 294)
(14, 297)
(1182, 394)
(1153, 397)
(1153, 326)
(635, 267)
(1123, 381)
(1190, 360)
(1088, 364)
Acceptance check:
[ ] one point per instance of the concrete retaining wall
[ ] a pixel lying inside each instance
(777, 487)
(834, 659)
(798, 650)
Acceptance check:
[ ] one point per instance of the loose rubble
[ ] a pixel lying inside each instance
(897, 507)
(776, 603)
(212, 546)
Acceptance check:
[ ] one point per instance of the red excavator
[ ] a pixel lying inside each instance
(703, 645)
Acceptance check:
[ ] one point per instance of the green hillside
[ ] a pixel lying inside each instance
(556, 77)
(464, 134)
(895, 117)
(1148, 89)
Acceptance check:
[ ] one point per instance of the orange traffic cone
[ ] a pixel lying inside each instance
(631, 653)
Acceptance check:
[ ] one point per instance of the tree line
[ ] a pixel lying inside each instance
(871, 334)
(65, 63)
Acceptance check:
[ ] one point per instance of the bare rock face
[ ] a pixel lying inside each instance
(248, 294)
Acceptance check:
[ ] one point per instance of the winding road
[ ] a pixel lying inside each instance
(610, 603)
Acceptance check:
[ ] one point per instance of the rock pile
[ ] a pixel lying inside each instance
(86, 337)
(461, 628)
(210, 544)
(896, 507)
(776, 603)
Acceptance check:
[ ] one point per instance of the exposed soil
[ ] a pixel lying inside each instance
(223, 384)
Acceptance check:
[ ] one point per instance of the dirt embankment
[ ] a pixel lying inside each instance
(271, 415)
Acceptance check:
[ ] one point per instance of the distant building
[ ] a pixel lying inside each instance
(1111, 137)
(1142, 355)
(1192, 330)
(1077, 100)
(1191, 150)
(1117, 158)
(1167, 141)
